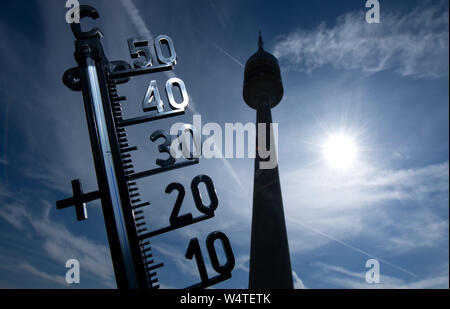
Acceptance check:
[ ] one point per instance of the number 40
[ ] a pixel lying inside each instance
(152, 99)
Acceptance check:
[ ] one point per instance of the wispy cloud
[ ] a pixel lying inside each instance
(184, 265)
(345, 244)
(418, 232)
(25, 269)
(345, 278)
(59, 243)
(43, 275)
(319, 190)
(298, 283)
(220, 10)
(392, 206)
(242, 262)
(137, 19)
(415, 44)
(4, 192)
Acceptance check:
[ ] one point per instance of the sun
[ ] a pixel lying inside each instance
(340, 151)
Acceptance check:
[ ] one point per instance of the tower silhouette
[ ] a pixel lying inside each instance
(270, 265)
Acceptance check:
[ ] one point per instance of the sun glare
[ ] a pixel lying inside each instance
(340, 151)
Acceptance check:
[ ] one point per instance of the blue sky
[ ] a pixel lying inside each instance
(386, 85)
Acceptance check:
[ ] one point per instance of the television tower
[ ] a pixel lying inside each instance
(270, 265)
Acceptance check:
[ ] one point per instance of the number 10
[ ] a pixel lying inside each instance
(224, 270)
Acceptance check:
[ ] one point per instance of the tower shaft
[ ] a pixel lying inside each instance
(270, 265)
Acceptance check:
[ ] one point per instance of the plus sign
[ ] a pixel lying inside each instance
(78, 200)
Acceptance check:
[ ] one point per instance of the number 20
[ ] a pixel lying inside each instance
(176, 220)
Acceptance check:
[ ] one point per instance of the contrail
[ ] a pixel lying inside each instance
(219, 16)
(225, 52)
(137, 19)
(145, 32)
(351, 247)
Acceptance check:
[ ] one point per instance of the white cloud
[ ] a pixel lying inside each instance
(25, 269)
(183, 264)
(186, 266)
(221, 11)
(345, 278)
(415, 44)
(15, 214)
(298, 283)
(367, 201)
(418, 232)
(136, 18)
(3, 191)
(60, 244)
(242, 262)
(42, 275)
